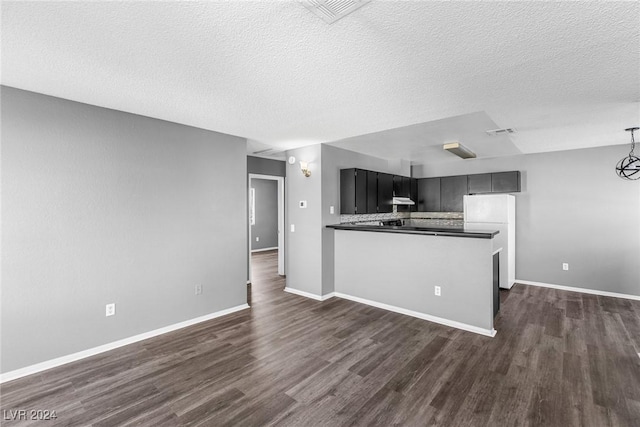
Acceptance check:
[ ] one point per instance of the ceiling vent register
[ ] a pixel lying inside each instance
(494, 132)
(332, 10)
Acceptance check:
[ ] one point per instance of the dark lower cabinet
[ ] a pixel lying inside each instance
(428, 198)
(452, 190)
(385, 192)
(496, 283)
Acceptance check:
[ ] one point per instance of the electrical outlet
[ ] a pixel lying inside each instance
(110, 310)
(257, 239)
(565, 266)
(332, 210)
(438, 291)
(303, 204)
(198, 289)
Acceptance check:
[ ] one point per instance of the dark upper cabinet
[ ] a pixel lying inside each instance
(385, 192)
(428, 197)
(505, 182)
(402, 188)
(372, 192)
(353, 191)
(347, 191)
(479, 183)
(413, 185)
(452, 190)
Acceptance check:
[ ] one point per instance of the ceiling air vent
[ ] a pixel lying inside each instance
(332, 10)
(494, 132)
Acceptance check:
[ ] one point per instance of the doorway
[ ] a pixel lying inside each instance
(254, 220)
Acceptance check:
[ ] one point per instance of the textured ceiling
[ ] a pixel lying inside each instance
(564, 74)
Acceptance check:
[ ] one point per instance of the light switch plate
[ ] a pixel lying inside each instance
(293, 228)
(332, 210)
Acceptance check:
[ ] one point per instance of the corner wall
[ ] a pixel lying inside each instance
(101, 206)
(310, 249)
(573, 208)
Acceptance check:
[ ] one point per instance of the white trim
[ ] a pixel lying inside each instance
(264, 249)
(281, 214)
(423, 316)
(309, 294)
(43, 366)
(581, 290)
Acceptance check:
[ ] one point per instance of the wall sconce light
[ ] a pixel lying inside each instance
(304, 166)
(629, 167)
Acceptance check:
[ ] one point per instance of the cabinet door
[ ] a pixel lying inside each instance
(428, 195)
(361, 191)
(385, 192)
(505, 182)
(348, 191)
(414, 193)
(479, 183)
(452, 190)
(397, 186)
(372, 192)
(402, 188)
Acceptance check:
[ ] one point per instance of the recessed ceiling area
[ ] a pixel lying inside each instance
(422, 143)
(566, 75)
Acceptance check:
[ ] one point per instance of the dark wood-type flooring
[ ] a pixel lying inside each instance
(559, 359)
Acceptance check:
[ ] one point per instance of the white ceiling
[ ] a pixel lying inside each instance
(565, 74)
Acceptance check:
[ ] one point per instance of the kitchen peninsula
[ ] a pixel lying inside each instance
(399, 267)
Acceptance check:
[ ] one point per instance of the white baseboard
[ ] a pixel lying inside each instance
(430, 318)
(43, 366)
(581, 290)
(264, 249)
(309, 294)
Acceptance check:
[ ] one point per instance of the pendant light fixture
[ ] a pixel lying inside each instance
(629, 167)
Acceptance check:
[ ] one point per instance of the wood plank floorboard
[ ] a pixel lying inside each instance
(559, 359)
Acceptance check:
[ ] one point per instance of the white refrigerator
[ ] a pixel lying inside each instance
(496, 212)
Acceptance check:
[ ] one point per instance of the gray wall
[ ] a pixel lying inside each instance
(310, 249)
(266, 214)
(303, 257)
(101, 206)
(334, 159)
(572, 208)
(402, 270)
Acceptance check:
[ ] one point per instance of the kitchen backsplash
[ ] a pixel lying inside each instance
(438, 218)
(374, 217)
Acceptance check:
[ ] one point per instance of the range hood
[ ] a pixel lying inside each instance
(403, 201)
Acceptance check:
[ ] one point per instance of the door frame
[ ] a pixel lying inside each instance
(281, 248)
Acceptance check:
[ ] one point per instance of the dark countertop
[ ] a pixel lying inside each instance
(428, 231)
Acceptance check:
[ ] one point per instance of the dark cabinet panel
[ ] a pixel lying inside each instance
(452, 190)
(361, 191)
(397, 185)
(353, 191)
(496, 283)
(348, 191)
(372, 192)
(402, 188)
(413, 185)
(479, 183)
(406, 187)
(505, 182)
(428, 198)
(385, 192)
